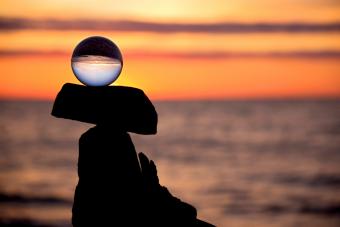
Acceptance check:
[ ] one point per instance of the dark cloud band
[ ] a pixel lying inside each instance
(7, 24)
(191, 55)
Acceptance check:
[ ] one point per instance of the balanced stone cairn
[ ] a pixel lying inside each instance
(116, 186)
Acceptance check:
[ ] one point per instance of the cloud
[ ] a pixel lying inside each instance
(190, 55)
(211, 55)
(8, 24)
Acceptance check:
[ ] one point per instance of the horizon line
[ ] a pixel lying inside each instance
(202, 99)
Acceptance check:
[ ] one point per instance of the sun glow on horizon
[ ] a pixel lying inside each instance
(167, 55)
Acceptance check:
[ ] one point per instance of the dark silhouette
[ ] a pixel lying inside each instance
(115, 187)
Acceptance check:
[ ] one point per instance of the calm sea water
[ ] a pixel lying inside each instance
(257, 163)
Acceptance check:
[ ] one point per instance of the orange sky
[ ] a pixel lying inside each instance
(170, 63)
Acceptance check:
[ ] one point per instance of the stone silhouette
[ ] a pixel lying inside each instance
(116, 186)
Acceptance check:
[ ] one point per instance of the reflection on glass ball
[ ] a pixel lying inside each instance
(96, 61)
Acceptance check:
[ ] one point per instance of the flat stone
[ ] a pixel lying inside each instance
(121, 108)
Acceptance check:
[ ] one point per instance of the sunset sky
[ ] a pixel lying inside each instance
(219, 49)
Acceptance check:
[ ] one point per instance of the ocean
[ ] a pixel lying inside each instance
(240, 163)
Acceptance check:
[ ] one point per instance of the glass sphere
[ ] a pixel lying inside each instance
(96, 61)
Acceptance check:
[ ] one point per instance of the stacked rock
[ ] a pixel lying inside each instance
(116, 187)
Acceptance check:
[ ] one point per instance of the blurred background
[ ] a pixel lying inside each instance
(248, 96)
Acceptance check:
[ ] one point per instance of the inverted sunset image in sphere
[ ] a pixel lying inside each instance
(96, 61)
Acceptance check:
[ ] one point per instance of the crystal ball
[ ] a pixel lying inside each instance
(96, 61)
